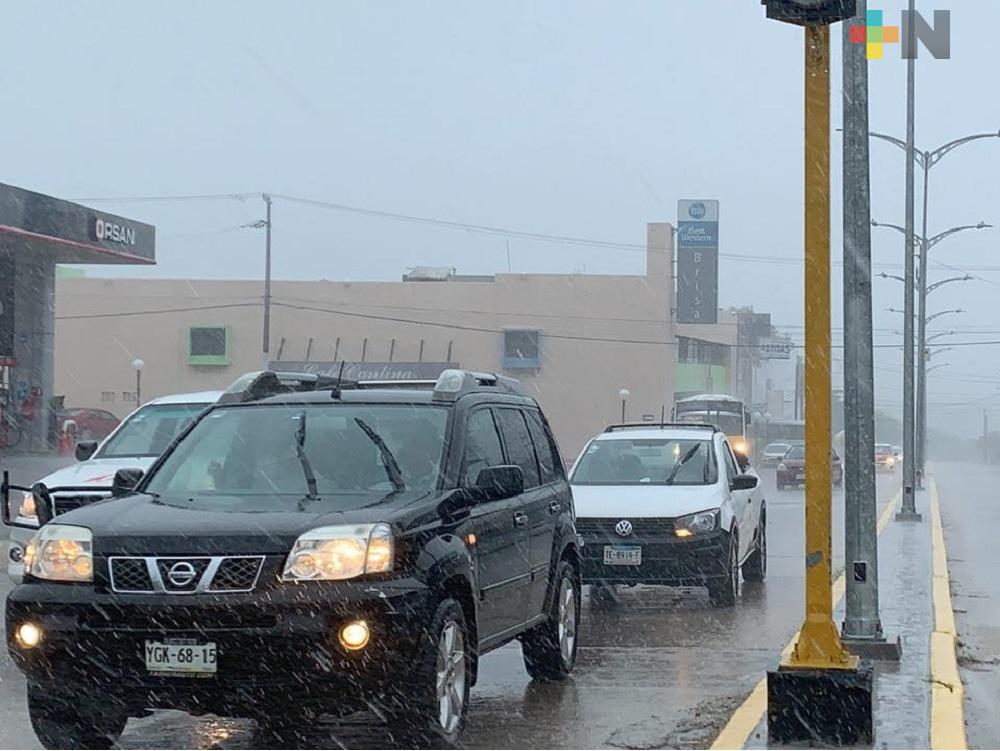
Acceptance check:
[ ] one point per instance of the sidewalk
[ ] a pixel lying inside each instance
(904, 690)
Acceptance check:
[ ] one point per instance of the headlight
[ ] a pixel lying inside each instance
(27, 510)
(782, 467)
(695, 524)
(61, 552)
(341, 552)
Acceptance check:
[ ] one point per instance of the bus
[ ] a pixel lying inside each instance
(727, 413)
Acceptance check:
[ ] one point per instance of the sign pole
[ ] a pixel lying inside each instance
(820, 694)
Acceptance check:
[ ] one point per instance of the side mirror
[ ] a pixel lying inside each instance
(125, 481)
(85, 450)
(743, 482)
(44, 507)
(500, 482)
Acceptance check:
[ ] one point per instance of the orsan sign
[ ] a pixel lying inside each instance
(114, 232)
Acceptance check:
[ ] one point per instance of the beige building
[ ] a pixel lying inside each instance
(573, 340)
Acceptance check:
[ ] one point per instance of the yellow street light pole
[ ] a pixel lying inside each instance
(818, 644)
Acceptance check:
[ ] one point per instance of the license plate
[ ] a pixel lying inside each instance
(622, 555)
(800, 475)
(181, 657)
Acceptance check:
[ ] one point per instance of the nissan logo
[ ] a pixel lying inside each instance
(624, 528)
(181, 574)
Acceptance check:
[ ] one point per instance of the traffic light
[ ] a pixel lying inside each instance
(810, 12)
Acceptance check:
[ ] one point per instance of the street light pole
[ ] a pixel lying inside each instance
(266, 345)
(137, 365)
(624, 394)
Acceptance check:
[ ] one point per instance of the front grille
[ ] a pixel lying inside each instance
(130, 575)
(177, 575)
(236, 574)
(162, 618)
(650, 529)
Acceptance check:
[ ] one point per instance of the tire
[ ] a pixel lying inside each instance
(754, 569)
(424, 712)
(781, 485)
(60, 722)
(722, 592)
(549, 650)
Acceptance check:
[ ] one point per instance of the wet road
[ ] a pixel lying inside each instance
(660, 668)
(970, 516)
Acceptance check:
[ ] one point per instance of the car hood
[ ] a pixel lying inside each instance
(96, 472)
(670, 501)
(222, 525)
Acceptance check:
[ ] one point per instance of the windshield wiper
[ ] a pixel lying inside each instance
(300, 450)
(388, 460)
(681, 462)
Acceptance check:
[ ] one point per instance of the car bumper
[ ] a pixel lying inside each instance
(791, 477)
(269, 649)
(690, 562)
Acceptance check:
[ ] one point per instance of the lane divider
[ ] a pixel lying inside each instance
(947, 691)
(749, 714)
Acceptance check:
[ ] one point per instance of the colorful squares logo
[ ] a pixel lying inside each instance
(874, 35)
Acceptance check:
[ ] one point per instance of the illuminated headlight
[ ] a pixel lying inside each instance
(696, 524)
(27, 510)
(61, 552)
(341, 552)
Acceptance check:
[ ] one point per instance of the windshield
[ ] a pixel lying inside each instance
(796, 452)
(269, 450)
(149, 431)
(776, 448)
(637, 461)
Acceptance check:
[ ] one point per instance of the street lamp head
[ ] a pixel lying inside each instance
(983, 225)
(874, 223)
(138, 364)
(624, 394)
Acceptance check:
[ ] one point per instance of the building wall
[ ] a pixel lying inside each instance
(598, 334)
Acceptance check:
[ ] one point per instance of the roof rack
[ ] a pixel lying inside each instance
(261, 384)
(453, 383)
(659, 425)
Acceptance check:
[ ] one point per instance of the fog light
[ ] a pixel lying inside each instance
(28, 635)
(683, 532)
(354, 635)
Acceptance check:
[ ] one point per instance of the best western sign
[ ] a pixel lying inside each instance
(114, 232)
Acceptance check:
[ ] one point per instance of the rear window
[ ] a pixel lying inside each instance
(796, 452)
(776, 448)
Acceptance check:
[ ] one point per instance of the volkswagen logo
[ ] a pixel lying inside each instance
(181, 574)
(624, 528)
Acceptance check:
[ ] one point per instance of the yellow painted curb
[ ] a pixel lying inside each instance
(947, 691)
(749, 714)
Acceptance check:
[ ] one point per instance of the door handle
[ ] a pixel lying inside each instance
(520, 519)
(555, 507)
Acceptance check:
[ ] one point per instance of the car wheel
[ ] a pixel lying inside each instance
(781, 485)
(723, 591)
(61, 723)
(755, 567)
(550, 649)
(430, 711)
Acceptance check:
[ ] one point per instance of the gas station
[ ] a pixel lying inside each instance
(37, 232)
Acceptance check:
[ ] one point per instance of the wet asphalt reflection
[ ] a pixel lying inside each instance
(657, 667)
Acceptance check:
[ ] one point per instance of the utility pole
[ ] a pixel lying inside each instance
(862, 628)
(920, 439)
(266, 346)
(908, 512)
(986, 440)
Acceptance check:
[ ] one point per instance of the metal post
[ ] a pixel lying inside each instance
(266, 347)
(138, 388)
(818, 645)
(908, 511)
(925, 248)
(986, 440)
(861, 620)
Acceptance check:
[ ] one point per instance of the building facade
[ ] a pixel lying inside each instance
(574, 341)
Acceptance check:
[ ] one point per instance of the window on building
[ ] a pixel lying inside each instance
(208, 345)
(521, 348)
(700, 351)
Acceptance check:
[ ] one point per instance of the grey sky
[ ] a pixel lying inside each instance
(572, 117)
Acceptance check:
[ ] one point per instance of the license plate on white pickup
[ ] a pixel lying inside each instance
(622, 555)
(181, 657)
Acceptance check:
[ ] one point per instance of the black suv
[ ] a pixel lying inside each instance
(305, 547)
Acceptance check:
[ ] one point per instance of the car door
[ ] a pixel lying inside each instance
(742, 501)
(501, 529)
(539, 502)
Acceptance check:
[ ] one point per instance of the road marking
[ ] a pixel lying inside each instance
(749, 714)
(947, 691)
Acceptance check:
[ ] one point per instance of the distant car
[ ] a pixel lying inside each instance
(135, 443)
(885, 458)
(91, 424)
(670, 506)
(791, 470)
(773, 453)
